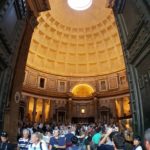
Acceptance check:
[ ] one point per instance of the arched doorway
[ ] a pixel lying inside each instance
(82, 90)
(104, 114)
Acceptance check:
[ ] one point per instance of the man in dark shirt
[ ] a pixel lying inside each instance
(105, 147)
(68, 136)
(57, 142)
(117, 139)
(4, 143)
(75, 145)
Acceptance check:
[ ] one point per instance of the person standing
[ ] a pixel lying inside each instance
(75, 145)
(137, 143)
(4, 143)
(147, 139)
(68, 136)
(23, 143)
(96, 138)
(57, 142)
(37, 143)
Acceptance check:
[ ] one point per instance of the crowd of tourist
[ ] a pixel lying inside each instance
(73, 137)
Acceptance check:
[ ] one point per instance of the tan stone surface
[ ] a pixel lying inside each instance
(76, 43)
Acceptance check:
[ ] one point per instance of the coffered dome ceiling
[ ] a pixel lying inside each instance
(76, 43)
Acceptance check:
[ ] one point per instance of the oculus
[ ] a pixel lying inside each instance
(79, 5)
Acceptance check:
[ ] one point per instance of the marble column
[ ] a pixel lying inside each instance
(69, 109)
(57, 116)
(115, 112)
(121, 105)
(27, 99)
(43, 110)
(128, 97)
(107, 116)
(34, 110)
(99, 115)
(51, 112)
(95, 108)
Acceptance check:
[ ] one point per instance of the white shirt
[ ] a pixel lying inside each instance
(139, 148)
(46, 138)
(37, 146)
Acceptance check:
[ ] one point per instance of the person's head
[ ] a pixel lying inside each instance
(136, 140)
(36, 137)
(74, 140)
(118, 140)
(98, 130)
(56, 133)
(69, 129)
(48, 133)
(35, 125)
(147, 139)
(26, 133)
(41, 125)
(111, 135)
(4, 136)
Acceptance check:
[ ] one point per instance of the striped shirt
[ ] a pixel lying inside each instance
(23, 143)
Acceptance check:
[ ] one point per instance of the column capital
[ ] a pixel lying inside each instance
(34, 109)
(35, 98)
(43, 110)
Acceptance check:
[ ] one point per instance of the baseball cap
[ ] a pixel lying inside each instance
(4, 134)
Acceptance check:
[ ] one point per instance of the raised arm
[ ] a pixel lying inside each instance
(103, 140)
